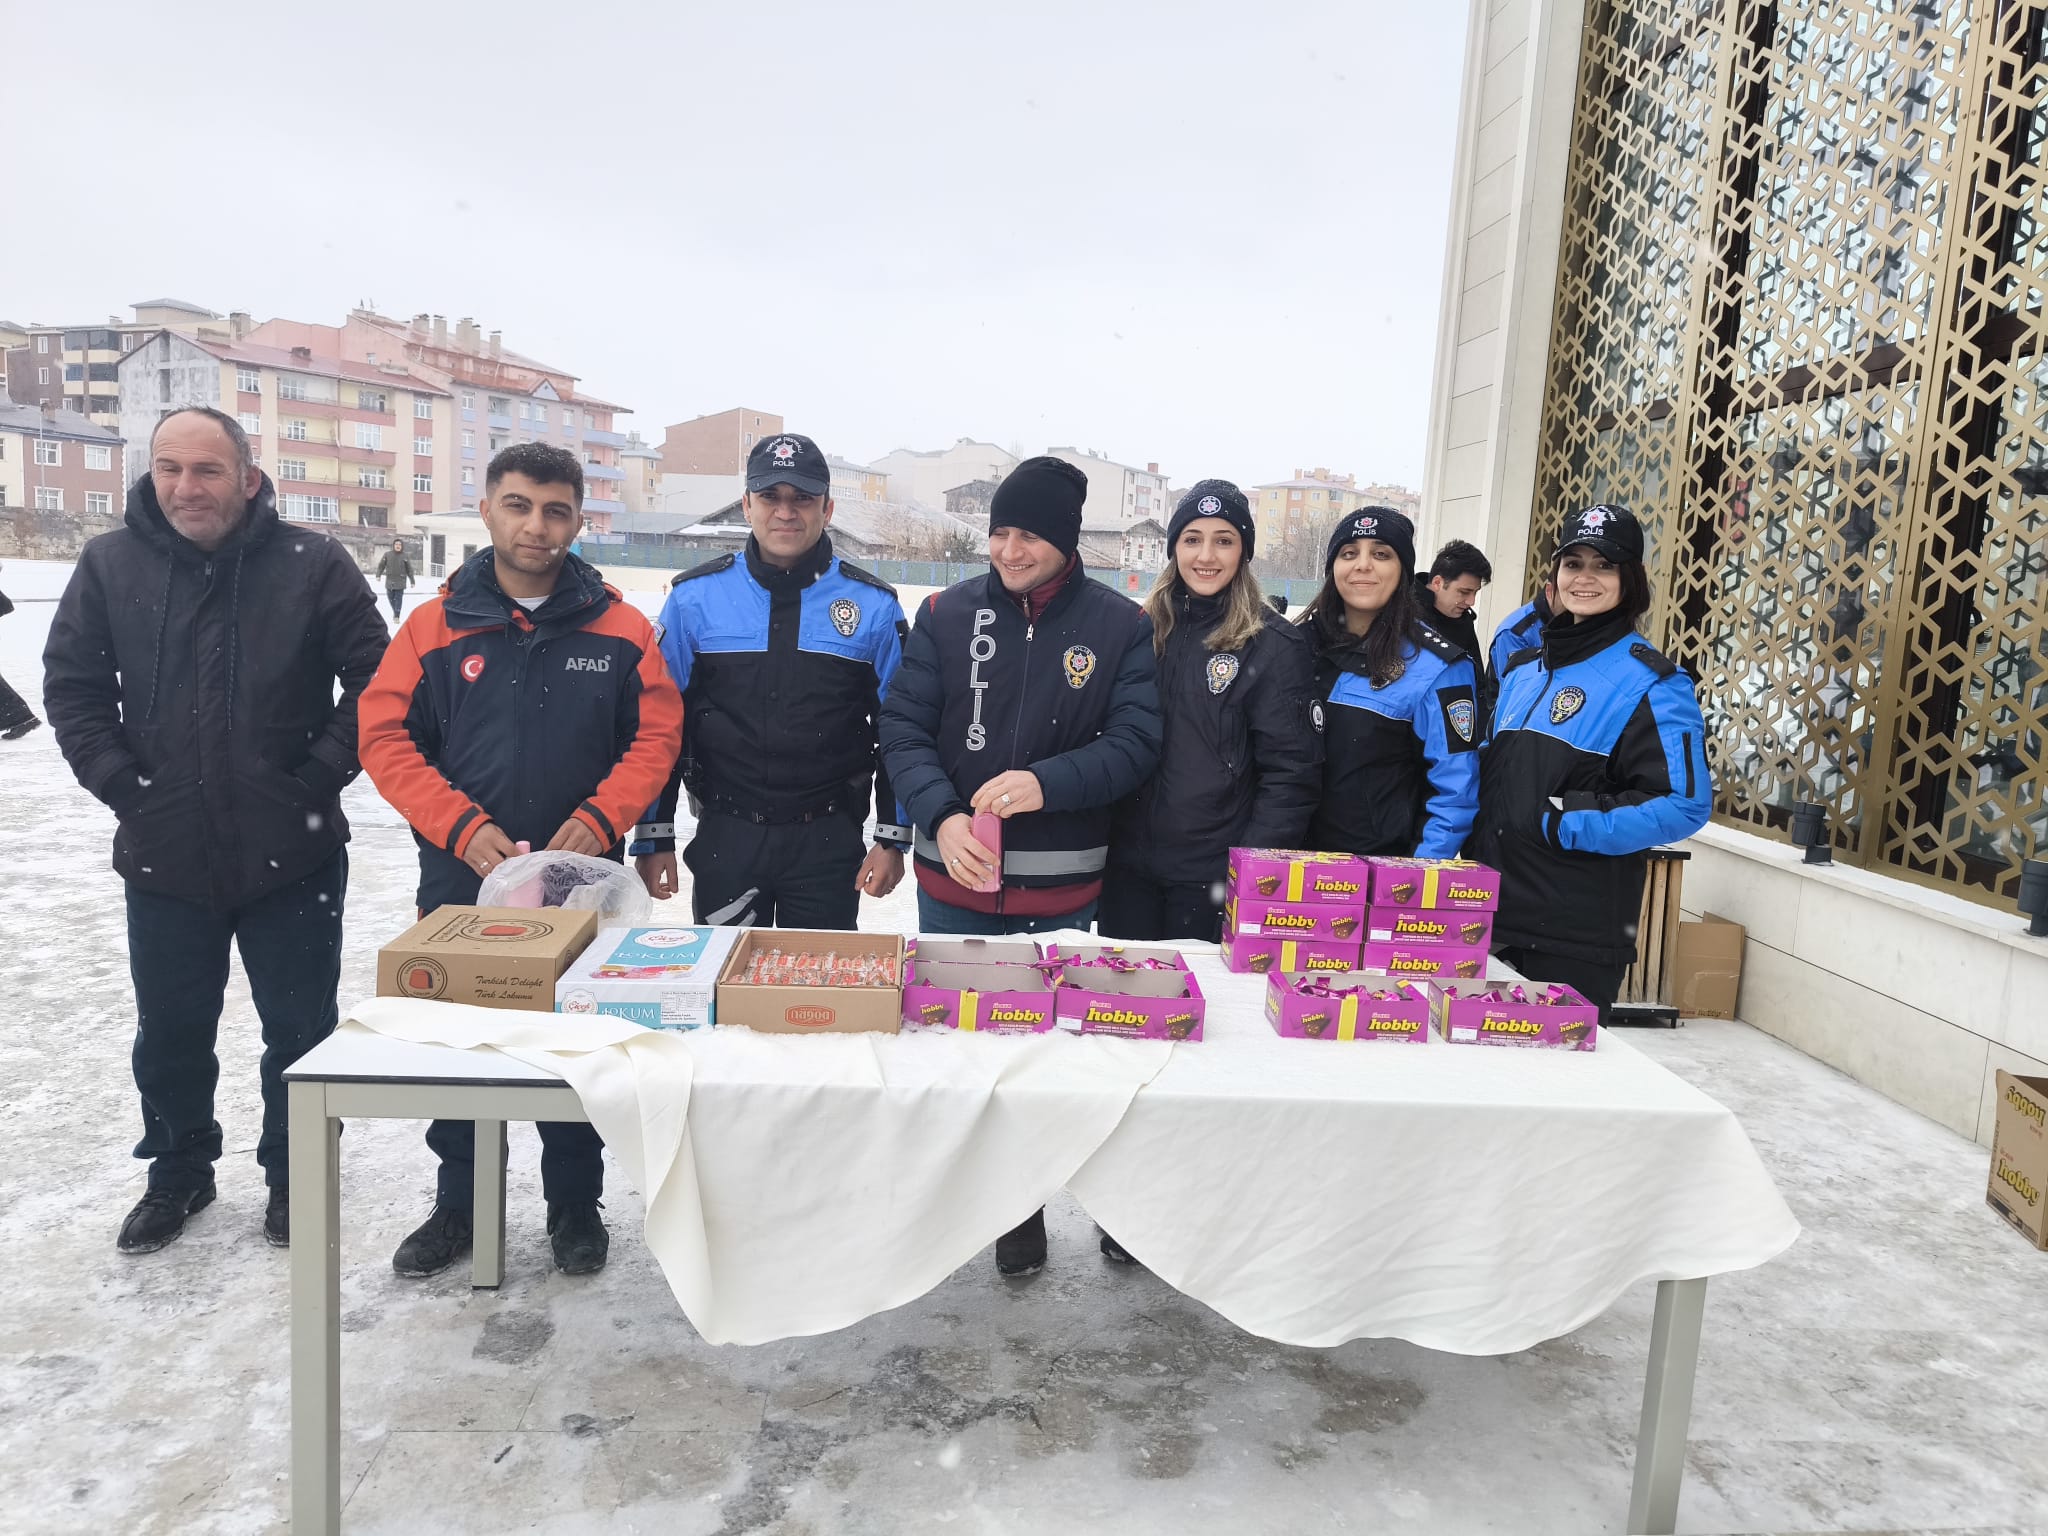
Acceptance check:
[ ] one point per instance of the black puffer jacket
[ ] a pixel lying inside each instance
(1242, 762)
(194, 693)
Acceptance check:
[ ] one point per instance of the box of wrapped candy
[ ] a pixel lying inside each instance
(1263, 956)
(664, 978)
(1293, 874)
(987, 986)
(1435, 883)
(1467, 928)
(1404, 957)
(1353, 1005)
(1326, 922)
(1531, 1013)
(1118, 989)
(791, 981)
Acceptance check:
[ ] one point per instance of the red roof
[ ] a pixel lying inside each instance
(324, 367)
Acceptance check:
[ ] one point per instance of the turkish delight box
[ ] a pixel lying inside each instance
(984, 986)
(495, 957)
(1127, 990)
(1292, 874)
(1464, 927)
(1351, 1005)
(1402, 958)
(1435, 883)
(1263, 956)
(664, 978)
(1532, 1013)
(1325, 922)
(800, 996)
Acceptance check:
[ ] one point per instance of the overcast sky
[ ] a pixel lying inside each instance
(1210, 235)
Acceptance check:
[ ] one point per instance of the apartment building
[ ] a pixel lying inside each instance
(1299, 511)
(641, 489)
(716, 445)
(1119, 492)
(925, 476)
(77, 367)
(58, 461)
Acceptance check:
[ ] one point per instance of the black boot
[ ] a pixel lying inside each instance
(277, 1217)
(159, 1216)
(1113, 1250)
(20, 728)
(435, 1244)
(1021, 1250)
(577, 1234)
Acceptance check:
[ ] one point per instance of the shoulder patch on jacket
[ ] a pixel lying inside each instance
(1516, 658)
(709, 568)
(1427, 639)
(853, 572)
(1653, 658)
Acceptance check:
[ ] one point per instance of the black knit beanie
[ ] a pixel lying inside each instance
(1213, 498)
(1382, 523)
(1042, 496)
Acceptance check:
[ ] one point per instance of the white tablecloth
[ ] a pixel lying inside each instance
(1466, 1198)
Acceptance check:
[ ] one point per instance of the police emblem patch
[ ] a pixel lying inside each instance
(1315, 713)
(845, 614)
(1209, 506)
(1459, 713)
(1080, 665)
(1222, 672)
(783, 451)
(1567, 703)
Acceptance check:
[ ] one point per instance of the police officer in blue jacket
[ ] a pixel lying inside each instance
(1401, 729)
(1519, 631)
(1598, 754)
(784, 653)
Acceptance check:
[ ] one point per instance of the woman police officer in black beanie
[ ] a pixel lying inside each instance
(1400, 761)
(1241, 764)
(1597, 754)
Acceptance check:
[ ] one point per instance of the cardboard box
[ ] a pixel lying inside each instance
(1139, 1005)
(1261, 956)
(1465, 928)
(495, 957)
(1324, 922)
(985, 986)
(664, 978)
(1358, 1015)
(1433, 883)
(1292, 874)
(1489, 1015)
(2019, 1156)
(1706, 973)
(1401, 958)
(800, 1010)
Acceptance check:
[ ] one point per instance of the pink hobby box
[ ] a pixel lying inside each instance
(1488, 1015)
(1261, 956)
(1291, 874)
(1428, 961)
(1322, 921)
(1464, 927)
(1298, 1015)
(1435, 883)
(1139, 1005)
(985, 986)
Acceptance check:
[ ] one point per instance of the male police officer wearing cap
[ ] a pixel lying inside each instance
(784, 653)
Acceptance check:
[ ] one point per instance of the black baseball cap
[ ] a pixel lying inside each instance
(1611, 530)
(788, 458)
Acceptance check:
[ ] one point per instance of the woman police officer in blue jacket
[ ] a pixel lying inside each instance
(1400, 731)
(1597, 753)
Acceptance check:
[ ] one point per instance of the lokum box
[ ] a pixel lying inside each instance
(1434, 883)
(1534, 1013)
(1429, 961)
(1462, 926)
(664, 978)
(1291, 874)
(984, 986)
(799, 995)
(1263, 956)
(1127, 990)
(495, 957)
(1323, 921)
(1351, 1005)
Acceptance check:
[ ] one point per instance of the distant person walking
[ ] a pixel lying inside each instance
(16, 718)
(396, 569)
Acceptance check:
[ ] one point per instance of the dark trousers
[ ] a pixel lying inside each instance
(290, 941)
(571, 1162)
(1146, 911)
(796, 874)
(395, 596)
(14, 708)
(1596, 983)
(935, 916)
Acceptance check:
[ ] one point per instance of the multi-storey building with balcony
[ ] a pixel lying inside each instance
(77, 367)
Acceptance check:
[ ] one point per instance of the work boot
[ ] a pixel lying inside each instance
(1113, 1250)
(15, 732)
(159, 1216)
(1021, 1250)
(277, 1217)
(435, 1244)
(576, 1233)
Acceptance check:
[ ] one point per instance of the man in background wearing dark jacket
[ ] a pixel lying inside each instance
(396, 569)
(1450, 593)
(190, 678)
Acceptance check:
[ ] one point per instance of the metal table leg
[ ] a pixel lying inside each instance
(1667, 1406)
(316, 1312)
(487, 1207)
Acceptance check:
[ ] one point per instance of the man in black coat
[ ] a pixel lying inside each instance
(190, 678)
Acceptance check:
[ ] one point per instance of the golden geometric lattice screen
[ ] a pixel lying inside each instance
(1800, 329)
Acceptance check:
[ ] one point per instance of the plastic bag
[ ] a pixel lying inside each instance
(573, 880)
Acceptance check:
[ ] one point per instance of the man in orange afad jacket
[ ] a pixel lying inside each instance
(527, 703)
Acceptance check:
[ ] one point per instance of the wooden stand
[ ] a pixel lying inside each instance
(1645, 1000)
